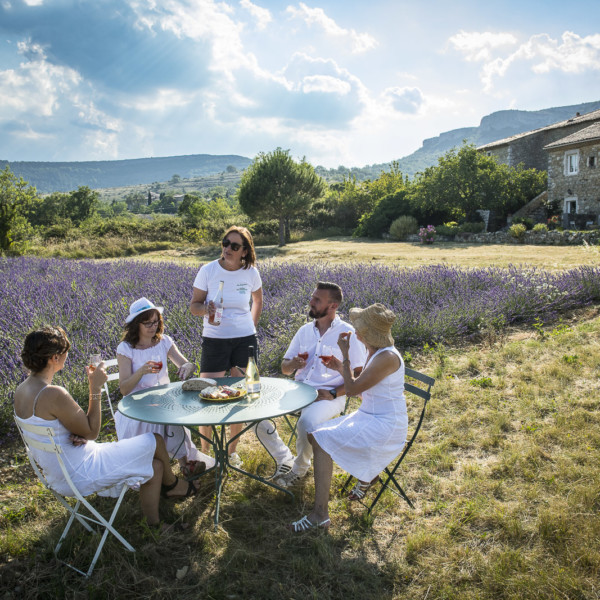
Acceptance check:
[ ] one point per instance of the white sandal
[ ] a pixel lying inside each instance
(305, 525)
(360, 489)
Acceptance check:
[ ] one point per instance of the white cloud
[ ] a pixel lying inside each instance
(478, 46)
(325, 83)
(162, 100)
(404, 99)
(34, 2)
(543, 54)
(361, 42)
(262, 15)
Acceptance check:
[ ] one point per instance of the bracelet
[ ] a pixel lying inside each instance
(346, 360)
(96, 395)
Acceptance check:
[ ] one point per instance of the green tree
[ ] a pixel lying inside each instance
(275, 186)
(16, 196)
(465, 180)
(81, 204)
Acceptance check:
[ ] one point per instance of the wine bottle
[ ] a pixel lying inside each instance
(215, 319)
(252, 376)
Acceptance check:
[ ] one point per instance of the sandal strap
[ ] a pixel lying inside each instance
(360, 489)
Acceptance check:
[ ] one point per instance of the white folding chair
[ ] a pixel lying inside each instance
(111, 377)
(31, 435)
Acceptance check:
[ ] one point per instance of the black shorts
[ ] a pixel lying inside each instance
(220, 355)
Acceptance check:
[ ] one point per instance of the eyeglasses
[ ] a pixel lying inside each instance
(150, 324)
(234, 245)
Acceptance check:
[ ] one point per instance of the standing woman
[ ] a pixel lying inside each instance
(142, 358)
(225, 346)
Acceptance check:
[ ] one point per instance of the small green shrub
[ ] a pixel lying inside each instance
(472, 227)
(517, 231)
(540, 228)
(403, 226)
(447, 229)
(527, 221)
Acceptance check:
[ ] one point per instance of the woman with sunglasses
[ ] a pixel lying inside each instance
(225, 346)
(142, 359)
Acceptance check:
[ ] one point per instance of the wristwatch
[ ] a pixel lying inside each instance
(333, 392)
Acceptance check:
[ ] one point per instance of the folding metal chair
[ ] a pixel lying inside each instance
(389, 474)
(31, 435)
(111, 377)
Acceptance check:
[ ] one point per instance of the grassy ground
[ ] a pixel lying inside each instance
(346, 249)
(504, 477)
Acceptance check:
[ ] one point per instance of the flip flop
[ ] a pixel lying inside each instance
(304, 525)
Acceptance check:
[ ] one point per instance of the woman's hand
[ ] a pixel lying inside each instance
(334, 363)
(344, 343)
(147, 368)
(186, 370)
(97, 377)
(211, 309)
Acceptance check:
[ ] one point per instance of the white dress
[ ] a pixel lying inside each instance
(177, 438)
(364, 442)
(94, 466)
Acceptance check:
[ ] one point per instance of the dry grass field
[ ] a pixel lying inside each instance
(347, 249)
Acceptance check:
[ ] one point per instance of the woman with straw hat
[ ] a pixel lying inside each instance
(365, 442)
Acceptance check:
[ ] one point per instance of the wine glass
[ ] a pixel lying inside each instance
(157, 366)
(94, 361)
(326, 354)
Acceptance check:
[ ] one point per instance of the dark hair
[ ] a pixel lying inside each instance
(131, 330)
(250, 259)
(335, 291)
(41, 345)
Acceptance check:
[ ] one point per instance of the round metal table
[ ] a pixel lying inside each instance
(170, 405)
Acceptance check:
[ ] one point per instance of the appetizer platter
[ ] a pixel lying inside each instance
(222, 393)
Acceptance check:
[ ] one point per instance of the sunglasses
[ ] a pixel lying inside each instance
(150, 324)
(234, 245)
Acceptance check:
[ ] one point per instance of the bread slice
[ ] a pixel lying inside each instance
(197, 384)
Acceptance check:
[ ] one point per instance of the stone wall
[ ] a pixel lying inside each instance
(548, 238)
(583, 187)
(529, 148)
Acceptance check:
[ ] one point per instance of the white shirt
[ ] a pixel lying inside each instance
(237, 294)
(309, 339)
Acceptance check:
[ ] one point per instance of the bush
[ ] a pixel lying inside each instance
(540, 228)
(403, 226)
(472, 227)
(517, 231)
(527, 221)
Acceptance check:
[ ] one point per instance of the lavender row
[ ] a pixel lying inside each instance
(433, 304)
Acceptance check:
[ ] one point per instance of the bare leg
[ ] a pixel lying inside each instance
(323, 471)
(150, 494)
(168, 477)
(205, 430)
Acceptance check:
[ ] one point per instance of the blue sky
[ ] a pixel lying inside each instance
(350, 82)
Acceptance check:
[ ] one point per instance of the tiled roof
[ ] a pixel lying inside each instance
(591, 116)
(588, 134)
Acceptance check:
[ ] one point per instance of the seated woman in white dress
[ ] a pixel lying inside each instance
(365, 442)
(142, 358)
(92, 467)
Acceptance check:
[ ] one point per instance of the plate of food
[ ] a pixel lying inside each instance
(222, 393)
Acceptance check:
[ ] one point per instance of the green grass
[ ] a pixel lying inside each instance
(504, 476)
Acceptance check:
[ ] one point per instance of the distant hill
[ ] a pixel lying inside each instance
(200, 169)
(495, 126)
(66, 176)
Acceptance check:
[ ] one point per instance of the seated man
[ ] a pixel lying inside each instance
(312, 341)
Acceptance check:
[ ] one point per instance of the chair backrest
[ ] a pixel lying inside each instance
(47, 444)
(113, 376)
(423, 393)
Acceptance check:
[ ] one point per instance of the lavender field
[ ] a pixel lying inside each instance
(434, 304)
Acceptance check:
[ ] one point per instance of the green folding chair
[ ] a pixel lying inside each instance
(388, 476)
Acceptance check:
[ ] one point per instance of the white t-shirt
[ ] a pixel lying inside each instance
(237, 294)
(309, 339)
(140, 357)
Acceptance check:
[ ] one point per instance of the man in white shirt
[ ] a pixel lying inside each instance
(312, 341)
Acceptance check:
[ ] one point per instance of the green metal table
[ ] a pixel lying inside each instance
(170, 405)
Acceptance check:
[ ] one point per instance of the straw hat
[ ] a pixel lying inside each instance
(140, 306)
(374, 324)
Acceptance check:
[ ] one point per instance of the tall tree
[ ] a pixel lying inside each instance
(275, 186)
(15, 198)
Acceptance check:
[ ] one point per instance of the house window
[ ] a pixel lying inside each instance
(591, 161)
(572, 162)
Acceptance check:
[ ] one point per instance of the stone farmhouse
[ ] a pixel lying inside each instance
(569, 151)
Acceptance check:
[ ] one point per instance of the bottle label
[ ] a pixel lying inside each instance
(253, 388)
(218, 315)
